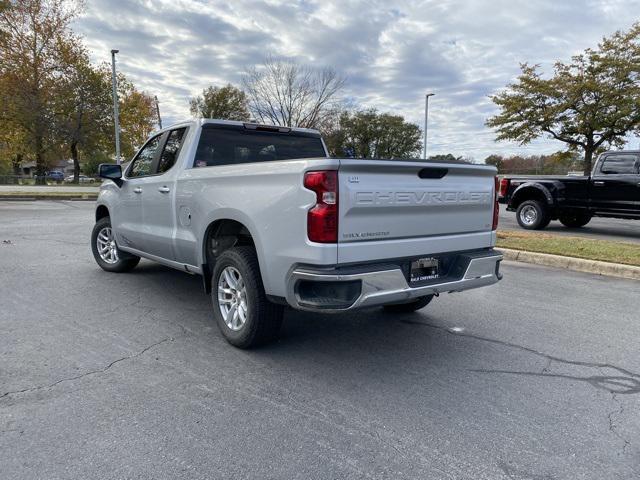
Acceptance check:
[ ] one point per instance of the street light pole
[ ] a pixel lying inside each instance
(426, 120)
(116, 113)
(155, 97)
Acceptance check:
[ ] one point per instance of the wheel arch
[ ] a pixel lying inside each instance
(220, 235)
(101, 212)
(531, 191)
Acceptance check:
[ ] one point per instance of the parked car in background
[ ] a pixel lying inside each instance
(612, 190)
(268, 220)
(56, 175)
(53, 175)
(81, 179)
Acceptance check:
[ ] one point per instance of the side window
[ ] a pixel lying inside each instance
(619, 164)
(171, 150)
(142, 164)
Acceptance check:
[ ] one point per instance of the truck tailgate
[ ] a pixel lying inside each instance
(392, 208)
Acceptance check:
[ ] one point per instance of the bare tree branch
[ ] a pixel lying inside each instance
(287, 93)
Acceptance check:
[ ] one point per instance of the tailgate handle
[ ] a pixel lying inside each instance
(433, 172)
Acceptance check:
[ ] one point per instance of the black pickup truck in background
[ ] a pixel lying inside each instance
(612, 190)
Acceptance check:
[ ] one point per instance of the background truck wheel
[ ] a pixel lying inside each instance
(532, 215)
(408, 307)
(241, 309)
(105, 250)
(575, 220)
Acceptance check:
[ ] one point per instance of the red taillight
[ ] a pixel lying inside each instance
(496, 206)
(504, 187)
(322, 219)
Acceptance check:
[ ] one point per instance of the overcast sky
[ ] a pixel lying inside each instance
(392, 52)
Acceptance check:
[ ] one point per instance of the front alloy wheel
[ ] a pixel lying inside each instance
(106, 244)
(105, 249)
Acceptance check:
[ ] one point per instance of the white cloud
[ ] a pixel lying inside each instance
(391, 52)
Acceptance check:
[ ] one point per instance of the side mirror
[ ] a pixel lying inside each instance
(111, 171)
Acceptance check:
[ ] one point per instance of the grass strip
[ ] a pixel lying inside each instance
(577, 247)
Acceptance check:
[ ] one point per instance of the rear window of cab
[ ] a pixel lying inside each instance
(228, 145)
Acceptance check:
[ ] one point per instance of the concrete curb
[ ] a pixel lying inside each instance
(571, 263)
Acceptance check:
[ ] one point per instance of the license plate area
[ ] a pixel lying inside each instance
(424, 270)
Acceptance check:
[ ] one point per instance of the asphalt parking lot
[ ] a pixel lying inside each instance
(617, 229)
(115, 376)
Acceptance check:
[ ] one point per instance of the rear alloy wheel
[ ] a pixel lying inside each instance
(575, 220)
(232, 298)
(408, 307)
(105, 249)
(532, 215)
(242, 311)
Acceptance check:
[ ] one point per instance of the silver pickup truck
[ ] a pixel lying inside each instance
(269, 220)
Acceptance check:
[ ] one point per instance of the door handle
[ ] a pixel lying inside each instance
(137, 190)
(598, 183)
(164, 189)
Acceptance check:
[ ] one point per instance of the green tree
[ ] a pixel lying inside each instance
(495, 160)
(93, 160)
(31, 34)
(13, 138)
(226, 103)
(370, 134)
(13, 147)
(589, 103)
(84, 120)
(560, 163)
(138, 117)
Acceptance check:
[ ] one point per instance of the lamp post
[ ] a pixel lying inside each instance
(426, 120)
(155, 97)
(116, 114)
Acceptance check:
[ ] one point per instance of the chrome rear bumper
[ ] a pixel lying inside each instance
(391, 286)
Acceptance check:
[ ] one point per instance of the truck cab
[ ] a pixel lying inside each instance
(614, 185)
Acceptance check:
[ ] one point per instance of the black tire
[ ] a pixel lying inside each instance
(125, 261)
(532, 215)
(408, 307)
(575, 220)
(263, 318)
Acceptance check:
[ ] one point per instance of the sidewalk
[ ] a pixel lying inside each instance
(49, 192)
(48, 189)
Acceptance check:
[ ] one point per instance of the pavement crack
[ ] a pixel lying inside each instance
(612, 384)
(89, 373)
(624, 382)
(514, 473)
(613, 427)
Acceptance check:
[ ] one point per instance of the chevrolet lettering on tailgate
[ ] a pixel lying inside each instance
(421, 197)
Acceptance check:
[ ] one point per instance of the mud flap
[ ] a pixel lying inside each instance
(206, 278)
